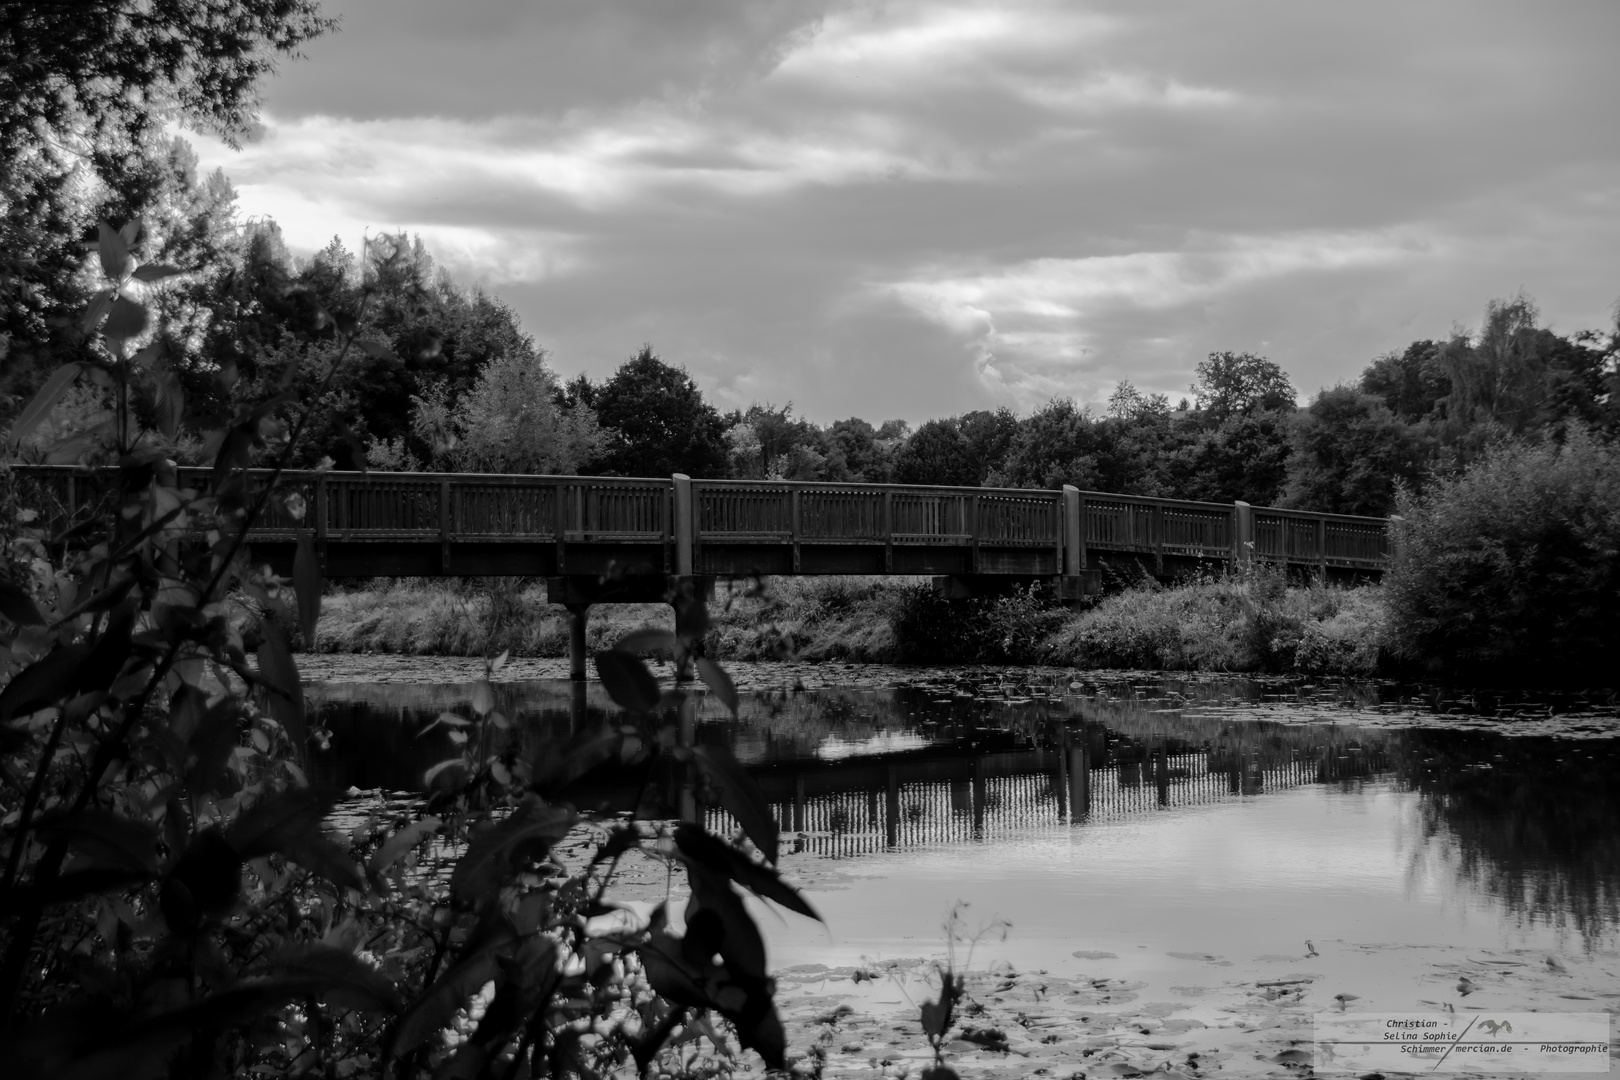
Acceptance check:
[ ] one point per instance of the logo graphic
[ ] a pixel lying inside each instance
(1495, 1026)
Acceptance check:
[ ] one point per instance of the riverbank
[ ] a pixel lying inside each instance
(1256, 623)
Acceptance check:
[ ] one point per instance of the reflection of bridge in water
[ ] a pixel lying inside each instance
(921, 799)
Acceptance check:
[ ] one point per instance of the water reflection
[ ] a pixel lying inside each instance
(1531, 823)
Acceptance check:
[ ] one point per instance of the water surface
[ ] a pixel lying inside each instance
(1142, 816)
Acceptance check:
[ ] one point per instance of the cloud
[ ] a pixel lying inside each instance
(919, 207)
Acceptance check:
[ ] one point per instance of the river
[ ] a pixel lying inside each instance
(1157, 845)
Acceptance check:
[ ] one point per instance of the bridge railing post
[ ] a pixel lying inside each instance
(684, 525)
(1242, 535)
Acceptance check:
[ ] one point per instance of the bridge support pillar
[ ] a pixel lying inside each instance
(576, 641)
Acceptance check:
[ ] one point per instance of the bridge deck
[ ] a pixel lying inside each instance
(430, 524)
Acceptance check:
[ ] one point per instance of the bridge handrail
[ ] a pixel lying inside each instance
(465, 507)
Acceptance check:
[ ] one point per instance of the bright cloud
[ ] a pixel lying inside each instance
(918, 207)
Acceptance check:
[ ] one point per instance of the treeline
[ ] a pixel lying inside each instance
(455, 383)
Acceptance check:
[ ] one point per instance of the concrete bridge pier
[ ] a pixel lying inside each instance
(576, 641)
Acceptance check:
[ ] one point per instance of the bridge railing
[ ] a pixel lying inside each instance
(767, 511)
(1336, 540)
(478, 508)
(1139, 523)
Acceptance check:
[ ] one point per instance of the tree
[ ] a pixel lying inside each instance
(937, 453)
(509, 422)
(776, 444)
(1351, 453)
(1244, 457)
(1057, 444)
(1510, 570)
(656, 421)
(123, 67)
(989, 436)
(1233, 383)
(1413, 384)
(86, 90)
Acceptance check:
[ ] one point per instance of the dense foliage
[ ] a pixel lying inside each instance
(174, 903)
(1510, 570)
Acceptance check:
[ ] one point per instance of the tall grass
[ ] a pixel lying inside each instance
(1252, 623)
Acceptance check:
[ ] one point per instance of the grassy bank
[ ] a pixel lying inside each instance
(1257, 623)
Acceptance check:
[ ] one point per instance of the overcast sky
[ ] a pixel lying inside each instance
(914, 209)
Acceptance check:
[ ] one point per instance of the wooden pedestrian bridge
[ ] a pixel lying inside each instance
(607, 539)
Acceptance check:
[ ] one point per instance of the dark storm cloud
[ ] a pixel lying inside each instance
(919, 208)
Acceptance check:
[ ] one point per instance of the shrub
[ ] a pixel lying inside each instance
(1510, 571)
(1252, 621)
(1012, 629)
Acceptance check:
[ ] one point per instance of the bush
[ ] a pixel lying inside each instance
(1012, 629)
(1251, 621)
(1510, 571)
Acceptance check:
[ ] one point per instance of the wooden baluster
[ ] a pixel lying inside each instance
(794, 510)
(444, 526)
(320, 518)
(888, 532)
(1158, 539)
(973, 550)
(559, 523)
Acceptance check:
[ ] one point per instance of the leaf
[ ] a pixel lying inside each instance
(155, 272)
(205, 880)
(169, 403)
(650, 640)
(307, 587)
(376, 350)
(72, 885)
(719, 683)
(131, 231)
(697, 846)
(432, 773)
(627, 681)
(70, 450)
(758, 1026)
(740, 797)
(404, 840)
(18, 606)
(51, 679)
(114, 252)
(430, 1013)
(126, 320)
(96, 310)
(717, 922)
(483, 698)
(289, 822)
(44, 400)
(107, 838)
(936, 1016)
(449, 719)
(499, 849)
(555, 772)
(278, 672)
(233, 454)
(673, 976)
